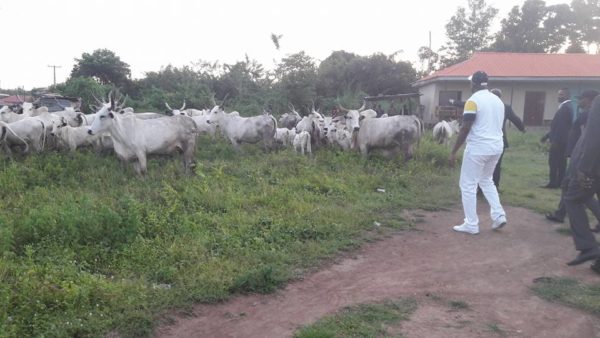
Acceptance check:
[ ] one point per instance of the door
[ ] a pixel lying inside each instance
(533, 112)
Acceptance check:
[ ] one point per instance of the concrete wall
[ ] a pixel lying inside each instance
(513, 93)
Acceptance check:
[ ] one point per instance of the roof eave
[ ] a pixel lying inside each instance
(421, 83)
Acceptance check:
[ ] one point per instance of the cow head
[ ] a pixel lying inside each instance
(352, 117)
(57, 125)
(175, 112)
(103, 120)
(215, 115)
(105, 116)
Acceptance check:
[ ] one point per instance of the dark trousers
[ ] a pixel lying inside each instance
(557, 160)
(591, 203)
(575, 198)
(497, 170)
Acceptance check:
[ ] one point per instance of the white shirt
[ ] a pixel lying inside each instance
(485, 137)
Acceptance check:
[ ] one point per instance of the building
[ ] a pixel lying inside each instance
(529, 83)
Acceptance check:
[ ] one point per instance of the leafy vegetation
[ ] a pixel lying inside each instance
(365, 320)
(87, 247)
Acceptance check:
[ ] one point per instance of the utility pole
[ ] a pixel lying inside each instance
(54, 69)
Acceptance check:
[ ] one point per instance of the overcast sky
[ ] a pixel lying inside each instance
(151, 34)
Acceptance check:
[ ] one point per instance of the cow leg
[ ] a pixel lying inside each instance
(142, 164)
(188, 157)
(364, 150)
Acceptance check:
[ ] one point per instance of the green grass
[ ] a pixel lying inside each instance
(525, 171)
(569, 292)
(87, 248)
(365, 320)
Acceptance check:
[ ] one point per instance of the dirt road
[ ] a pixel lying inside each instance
(491, 272)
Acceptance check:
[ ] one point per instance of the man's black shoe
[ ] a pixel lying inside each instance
(596, 266)
(552, 217)
(584, 256)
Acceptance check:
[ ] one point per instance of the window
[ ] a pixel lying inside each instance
(446, 95)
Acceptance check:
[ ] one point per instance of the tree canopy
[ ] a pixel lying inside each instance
(104, 66)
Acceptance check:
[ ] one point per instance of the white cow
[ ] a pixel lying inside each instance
(29, 131)
(203, 126)
(245, 129)
(302, 142)
(443, 131)
(8, 115)
(290, 120)
(134, 138)
(390, 134)
(75, 137)
(175, 112)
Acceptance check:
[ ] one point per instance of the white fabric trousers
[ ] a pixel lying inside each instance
(478, 170)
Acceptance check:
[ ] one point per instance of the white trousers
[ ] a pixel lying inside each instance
(478, 170)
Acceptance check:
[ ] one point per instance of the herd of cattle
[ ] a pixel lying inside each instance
(132, 136)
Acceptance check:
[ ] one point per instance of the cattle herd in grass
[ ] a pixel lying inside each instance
(134, 135)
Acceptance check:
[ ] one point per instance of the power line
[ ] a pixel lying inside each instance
(54, 70)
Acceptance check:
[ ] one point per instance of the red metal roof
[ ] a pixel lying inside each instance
(524, 65)
(13, 99)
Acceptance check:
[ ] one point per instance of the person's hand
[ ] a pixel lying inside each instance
(452, 160)
(584, 181)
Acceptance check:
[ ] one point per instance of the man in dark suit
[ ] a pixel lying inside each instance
(584, 182)
(558, 136)
(509, 115)
(584, 103)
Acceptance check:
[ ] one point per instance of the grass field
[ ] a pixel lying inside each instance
(88, 248)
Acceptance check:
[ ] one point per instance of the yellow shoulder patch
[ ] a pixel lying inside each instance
(470, 106)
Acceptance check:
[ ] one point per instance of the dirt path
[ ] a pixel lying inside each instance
(491, 272)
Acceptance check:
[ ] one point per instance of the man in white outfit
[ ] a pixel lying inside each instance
(482, 130)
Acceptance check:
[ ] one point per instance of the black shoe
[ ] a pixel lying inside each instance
(584, 256)
(552, 217)
(596, 266)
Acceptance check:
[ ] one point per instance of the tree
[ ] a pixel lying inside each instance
(535, 28)
(586, 22)
(104, 66)
(467, 34)
(428, 59)
(85, 88)
(296, 77)
(333, 77)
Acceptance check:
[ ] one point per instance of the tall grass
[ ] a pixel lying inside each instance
(88, 248)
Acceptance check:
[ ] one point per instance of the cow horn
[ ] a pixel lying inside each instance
(342, 107)
(364, 105)
(97, 100)
(168, 107)
(293, 108)
(122, 104)
(223, 101)
(109, 97)
(313, 105)
(183, 107)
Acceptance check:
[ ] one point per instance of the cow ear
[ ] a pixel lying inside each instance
(168, 112)
(111, 115)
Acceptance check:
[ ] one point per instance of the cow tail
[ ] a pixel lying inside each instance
(43, 137)
(6, 129)
(274, 123)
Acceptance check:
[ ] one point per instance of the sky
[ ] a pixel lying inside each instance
(150, 34)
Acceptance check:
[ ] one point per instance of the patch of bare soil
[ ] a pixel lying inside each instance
(465, 285)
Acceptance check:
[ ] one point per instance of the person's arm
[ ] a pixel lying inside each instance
(512, 117)
(468, 120)
(590, 154)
